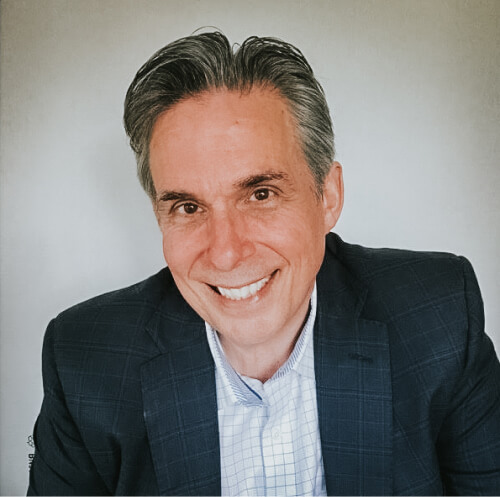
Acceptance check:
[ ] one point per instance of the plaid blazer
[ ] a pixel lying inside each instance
(408, 385)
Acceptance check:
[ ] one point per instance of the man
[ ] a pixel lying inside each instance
(270, 358)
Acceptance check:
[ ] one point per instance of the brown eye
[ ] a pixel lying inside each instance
(262, 194)
(189, 208)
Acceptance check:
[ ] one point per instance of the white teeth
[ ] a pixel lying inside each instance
(245, 291)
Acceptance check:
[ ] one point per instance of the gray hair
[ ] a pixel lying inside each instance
(201, 62)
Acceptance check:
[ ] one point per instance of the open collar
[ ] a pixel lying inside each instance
(301, 360)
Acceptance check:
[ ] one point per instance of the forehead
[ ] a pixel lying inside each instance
(225, 133)
(228, 107)
(225, 114)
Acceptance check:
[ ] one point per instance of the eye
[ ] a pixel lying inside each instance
(187, 208)
(262, 194)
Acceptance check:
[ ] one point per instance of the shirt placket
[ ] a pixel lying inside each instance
(277, 448)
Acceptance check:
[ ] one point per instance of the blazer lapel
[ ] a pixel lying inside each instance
(180, 404)
(353, 382)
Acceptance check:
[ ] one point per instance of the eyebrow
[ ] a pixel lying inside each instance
(168, 196)
(257, 179)
(244, 184)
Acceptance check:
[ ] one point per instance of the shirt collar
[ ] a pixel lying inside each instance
(301, 360)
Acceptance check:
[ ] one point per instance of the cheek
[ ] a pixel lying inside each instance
(177, 253)
(291, 230)
(305, 239)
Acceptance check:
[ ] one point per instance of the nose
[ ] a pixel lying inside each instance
(229, 240)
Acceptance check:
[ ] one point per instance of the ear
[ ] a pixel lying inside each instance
(333, 196)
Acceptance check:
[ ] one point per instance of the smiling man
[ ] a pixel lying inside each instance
(243, 223)
(271, 357)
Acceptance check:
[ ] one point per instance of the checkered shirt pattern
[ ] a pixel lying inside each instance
(268, 432)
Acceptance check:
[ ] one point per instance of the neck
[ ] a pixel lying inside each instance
(262, 360)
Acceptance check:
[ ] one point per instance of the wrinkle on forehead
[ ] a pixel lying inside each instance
(220, 121)
(215, 105)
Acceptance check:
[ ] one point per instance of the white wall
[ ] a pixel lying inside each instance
(414, 88)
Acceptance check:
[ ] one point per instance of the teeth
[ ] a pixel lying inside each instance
(245, 291)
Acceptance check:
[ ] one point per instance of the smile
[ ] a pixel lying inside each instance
(243, 292)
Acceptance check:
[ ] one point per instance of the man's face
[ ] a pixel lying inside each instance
(243, 226)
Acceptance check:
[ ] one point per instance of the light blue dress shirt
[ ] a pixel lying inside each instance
(268, 432)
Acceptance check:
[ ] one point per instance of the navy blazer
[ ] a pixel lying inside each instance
(408, 385)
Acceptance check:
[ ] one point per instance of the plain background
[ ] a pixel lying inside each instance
(414, 89)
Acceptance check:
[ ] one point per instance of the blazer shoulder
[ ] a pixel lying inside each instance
(117, 311)
(403, 282)
(367, 263)
(146, 292)
(396, 268)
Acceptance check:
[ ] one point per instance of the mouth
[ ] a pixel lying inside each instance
(243, 292)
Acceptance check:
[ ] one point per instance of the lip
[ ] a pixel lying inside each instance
(250, 292)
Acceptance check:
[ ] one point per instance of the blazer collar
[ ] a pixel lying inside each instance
(353, 384)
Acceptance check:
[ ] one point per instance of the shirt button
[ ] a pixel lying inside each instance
(276, 434)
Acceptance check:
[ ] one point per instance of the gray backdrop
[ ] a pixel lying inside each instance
(414, 89)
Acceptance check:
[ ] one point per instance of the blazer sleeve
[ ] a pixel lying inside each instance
(61, 465)
(469, 441)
